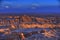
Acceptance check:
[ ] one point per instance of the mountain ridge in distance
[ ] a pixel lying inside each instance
(32, 14)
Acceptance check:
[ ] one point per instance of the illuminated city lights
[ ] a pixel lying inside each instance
(12, 23)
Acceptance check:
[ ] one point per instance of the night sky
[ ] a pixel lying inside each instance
(27, 6)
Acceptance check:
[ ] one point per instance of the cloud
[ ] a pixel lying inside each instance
(6, 3)
(35, 4)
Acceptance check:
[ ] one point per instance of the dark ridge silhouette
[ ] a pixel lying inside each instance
(31, 14)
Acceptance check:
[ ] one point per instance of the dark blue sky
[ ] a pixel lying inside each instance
(30, 2)
(18, 6)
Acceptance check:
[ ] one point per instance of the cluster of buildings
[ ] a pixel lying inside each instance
(8, 23)
(29, 22)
